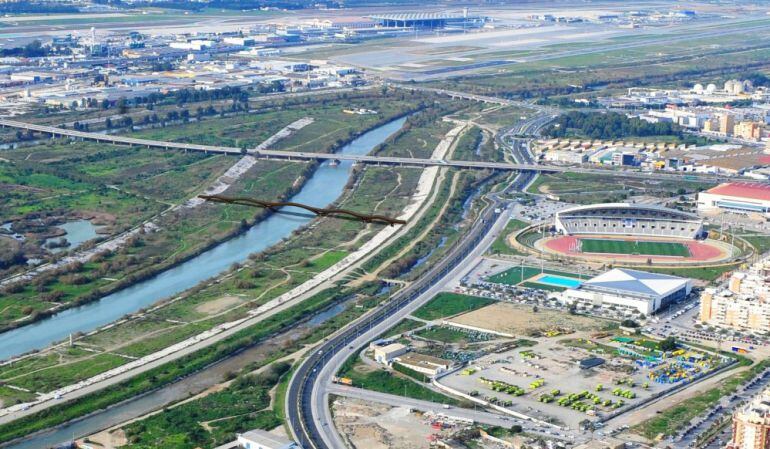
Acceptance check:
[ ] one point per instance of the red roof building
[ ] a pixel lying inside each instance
(736, 196)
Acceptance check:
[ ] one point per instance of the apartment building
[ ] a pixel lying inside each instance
(744, 305)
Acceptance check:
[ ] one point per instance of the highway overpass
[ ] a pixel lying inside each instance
(366, 159)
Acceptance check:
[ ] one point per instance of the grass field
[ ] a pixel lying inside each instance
(404, 326)
(500, 245)
(760, 241)
(704, 273)
(447, 304)
(514, 276)
(444, 335)
(634, 247)
(380, 380)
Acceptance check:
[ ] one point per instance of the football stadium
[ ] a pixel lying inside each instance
(631, 233)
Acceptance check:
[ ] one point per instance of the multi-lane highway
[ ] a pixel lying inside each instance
(307, 399)
(367, 159)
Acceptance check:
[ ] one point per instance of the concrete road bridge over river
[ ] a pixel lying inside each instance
(365, 159)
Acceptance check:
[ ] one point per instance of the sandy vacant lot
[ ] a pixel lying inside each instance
(219, 305)
(522, 320)
(377, 426)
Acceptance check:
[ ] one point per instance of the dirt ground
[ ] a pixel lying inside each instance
(218, 305)
(375, 426)
(109, 439)
(522, 320)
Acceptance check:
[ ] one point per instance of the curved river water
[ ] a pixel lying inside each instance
(325, 186)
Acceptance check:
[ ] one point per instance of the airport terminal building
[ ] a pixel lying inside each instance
(636, 291)
(627, 219)
(429, 20)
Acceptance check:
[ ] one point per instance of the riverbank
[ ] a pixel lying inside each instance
(169, 263)
(163, 180)
(339, 268)
(293, 259)
(232, 175)
(225, 328)
(419, 202)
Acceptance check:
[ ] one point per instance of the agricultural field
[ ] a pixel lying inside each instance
(641, 247)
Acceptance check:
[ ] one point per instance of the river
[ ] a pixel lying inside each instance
(325, 186)
(183, 389)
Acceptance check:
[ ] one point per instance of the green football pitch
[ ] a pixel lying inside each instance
(644, 248)
(513, 276)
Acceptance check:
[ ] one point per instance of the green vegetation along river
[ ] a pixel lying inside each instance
(325, 186)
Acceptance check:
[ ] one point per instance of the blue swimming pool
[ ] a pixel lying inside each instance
(559, 281)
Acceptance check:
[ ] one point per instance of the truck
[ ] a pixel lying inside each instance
(342, 380)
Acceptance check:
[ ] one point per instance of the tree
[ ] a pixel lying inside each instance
(668, 344)
(516, 428)
(629, 323)
(33, 49)
(122, 106)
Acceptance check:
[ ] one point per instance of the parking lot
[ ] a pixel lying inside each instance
(542, 378)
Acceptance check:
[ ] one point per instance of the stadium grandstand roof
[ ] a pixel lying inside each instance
(636, 282)
(755, 191)
(638, 206)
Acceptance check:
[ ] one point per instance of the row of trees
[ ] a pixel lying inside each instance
(611, 125)
(181, 97)
(31, 50)
(24, 7)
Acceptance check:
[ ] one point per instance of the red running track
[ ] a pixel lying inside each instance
(562, 244)
(702, 251)
(699, 251)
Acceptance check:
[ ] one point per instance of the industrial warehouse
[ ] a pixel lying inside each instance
(736, 197)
